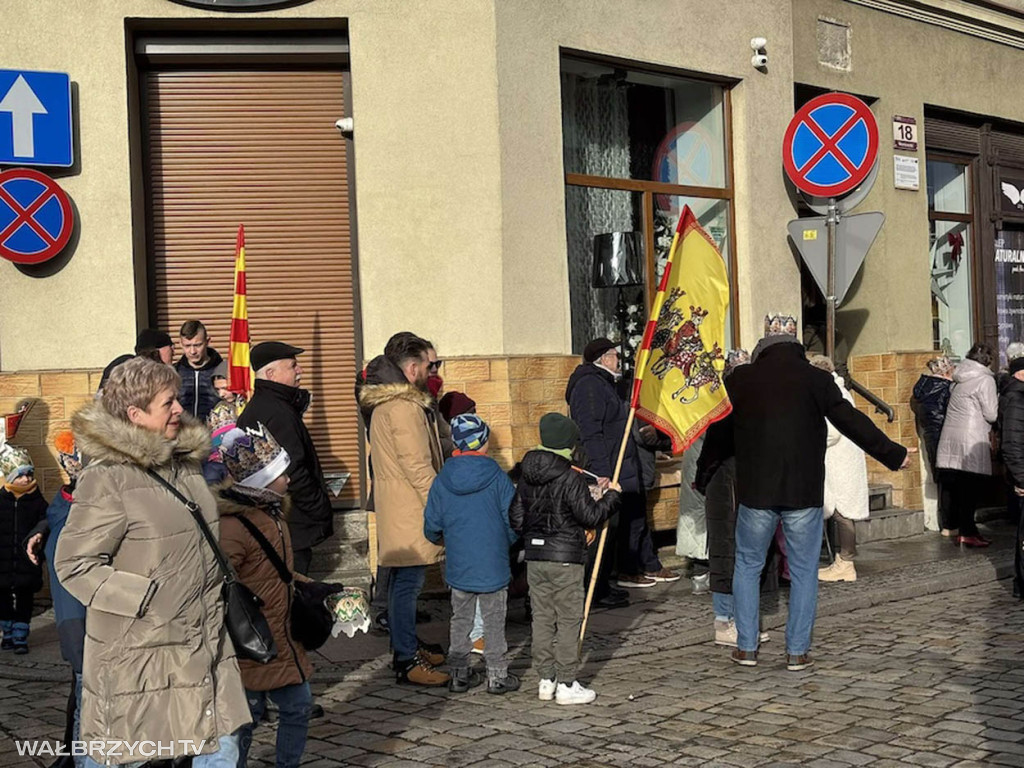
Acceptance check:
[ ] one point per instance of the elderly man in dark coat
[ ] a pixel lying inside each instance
(601, 415)
(278, 403)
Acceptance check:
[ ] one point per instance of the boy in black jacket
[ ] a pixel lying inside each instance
(553, 509)
(22, 506)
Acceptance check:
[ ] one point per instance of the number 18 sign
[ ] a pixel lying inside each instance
(904, 133)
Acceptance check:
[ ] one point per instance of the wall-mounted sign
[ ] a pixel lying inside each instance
(1009, 269)
(1011, 194)
(36, 217)
(35, 118)
(236, 5)
(904, 133)
(906, 172)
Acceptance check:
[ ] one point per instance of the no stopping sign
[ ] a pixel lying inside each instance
(36, 217)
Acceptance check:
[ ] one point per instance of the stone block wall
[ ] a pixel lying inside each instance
(511, 394)
(58, 394)
(892, 376)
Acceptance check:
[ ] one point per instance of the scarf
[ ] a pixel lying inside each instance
(17, 491)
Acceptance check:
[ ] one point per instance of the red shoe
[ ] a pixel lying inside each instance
(974, 541)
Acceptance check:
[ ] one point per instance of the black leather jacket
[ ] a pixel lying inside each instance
(553, 508)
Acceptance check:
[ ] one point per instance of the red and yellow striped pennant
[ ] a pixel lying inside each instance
(239, 371)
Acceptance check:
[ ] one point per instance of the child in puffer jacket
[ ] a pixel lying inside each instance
(22, 507)
(553, 510)
(468, 507)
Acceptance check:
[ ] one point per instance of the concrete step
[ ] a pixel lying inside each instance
(879, 496)
(890, 523)
(344, 556)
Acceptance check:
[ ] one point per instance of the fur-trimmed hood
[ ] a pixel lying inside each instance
(103, 437)
(373, 395)
(232, 503)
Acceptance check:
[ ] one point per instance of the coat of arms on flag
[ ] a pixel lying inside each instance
(678, 386)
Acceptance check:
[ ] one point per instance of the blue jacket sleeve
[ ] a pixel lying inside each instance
(433, 516)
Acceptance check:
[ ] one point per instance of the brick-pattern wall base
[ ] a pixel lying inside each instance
(892, 376)
(58, 394)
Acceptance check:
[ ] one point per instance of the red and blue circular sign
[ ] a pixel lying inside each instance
(831, 145)
(36, 217)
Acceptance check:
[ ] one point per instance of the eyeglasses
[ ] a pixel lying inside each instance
(436, 365)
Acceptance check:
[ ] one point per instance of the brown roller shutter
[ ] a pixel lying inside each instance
(950, 136)
(259, 148)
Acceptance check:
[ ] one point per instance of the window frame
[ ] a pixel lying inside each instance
(969, 164)
(648, 189)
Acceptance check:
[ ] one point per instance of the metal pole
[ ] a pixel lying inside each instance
(830, 300)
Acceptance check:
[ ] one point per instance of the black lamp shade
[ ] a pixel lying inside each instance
(618, 259)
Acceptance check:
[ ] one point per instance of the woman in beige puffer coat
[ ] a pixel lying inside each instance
(158, 664)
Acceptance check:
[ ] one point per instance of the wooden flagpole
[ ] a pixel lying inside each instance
(604, 534)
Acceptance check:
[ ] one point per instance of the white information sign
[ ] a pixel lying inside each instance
(906, 172)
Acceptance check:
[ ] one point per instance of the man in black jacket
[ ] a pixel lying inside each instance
(1011, 424)
(198, 367)
(601, 415)
(278, 403)
(780, 403)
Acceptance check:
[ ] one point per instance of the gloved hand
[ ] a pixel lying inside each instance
(318, 590)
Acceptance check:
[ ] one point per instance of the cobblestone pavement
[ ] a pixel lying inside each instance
(936, 680)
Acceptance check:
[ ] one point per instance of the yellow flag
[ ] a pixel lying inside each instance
(678, 385)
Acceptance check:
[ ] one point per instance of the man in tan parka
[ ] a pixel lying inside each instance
(407, 456)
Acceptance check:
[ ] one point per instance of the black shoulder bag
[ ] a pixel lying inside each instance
(311, 621)
(243, 618)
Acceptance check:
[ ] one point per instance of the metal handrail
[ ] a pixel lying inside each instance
(881, 406)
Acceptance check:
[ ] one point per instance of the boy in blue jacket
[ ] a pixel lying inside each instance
(468, 507)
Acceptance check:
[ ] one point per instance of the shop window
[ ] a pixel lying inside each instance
(950, 254)
(637, 146)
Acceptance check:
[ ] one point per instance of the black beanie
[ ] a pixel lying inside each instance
(558, 431)
(596, 348)
(151, 339)
(1017, 364)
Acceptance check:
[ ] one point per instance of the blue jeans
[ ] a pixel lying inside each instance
(754, 531)
(293, 704)
(404, 589)
(225, 757)
(722, 603)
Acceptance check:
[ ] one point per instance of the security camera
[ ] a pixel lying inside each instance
(345, 125)
(757, 43)
(759, 60)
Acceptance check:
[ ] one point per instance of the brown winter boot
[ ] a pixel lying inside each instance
(418, 671)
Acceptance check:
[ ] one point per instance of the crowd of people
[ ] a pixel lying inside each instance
(170, 476)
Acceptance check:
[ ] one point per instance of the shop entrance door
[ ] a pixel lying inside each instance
(258, 147)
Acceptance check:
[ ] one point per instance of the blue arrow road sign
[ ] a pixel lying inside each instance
(35, 118)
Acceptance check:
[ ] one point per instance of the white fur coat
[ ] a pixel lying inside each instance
(846, 472)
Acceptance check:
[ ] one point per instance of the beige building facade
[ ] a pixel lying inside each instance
(468, 210)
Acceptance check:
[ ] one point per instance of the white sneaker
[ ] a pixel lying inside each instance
(546, 690)
(725, 634)
(576, 694)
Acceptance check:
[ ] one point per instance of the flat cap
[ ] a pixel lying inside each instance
(267, 352)
(596, 348)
